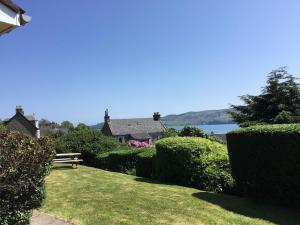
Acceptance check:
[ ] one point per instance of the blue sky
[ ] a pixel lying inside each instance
(77, 58)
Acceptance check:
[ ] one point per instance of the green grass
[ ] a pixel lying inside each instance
(89, 196)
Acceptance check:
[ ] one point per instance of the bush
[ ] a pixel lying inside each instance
(213, 172)
(120, 160)
(87, 141)
(265, 162)
(189, 131)
(170, 132)
(24, 163)
(193, 161)
(127, 160)
(145, 163)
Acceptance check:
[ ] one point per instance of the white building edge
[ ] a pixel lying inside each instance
(11, 16)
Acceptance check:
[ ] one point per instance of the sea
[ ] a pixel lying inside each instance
(215, 128)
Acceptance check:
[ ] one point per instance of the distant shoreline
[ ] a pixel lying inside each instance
(202, 124)
(208, 128)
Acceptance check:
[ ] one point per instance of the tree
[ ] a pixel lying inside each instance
(82, 126)
(67, 124)
(189, 131)
(170, 132)
(279, 102)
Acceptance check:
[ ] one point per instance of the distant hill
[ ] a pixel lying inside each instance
(199, 118)
(98, 126)
(192, 118)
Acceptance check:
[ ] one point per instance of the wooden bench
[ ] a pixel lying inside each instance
(68, 158)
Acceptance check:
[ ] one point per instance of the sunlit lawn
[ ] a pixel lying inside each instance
(90, 196)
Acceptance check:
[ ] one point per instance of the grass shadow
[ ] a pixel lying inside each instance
(253, 209)
(63, 167)
(153, 181)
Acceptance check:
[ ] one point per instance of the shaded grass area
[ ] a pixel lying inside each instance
(89, 196)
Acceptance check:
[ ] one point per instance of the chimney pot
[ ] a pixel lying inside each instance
(19, 109)
(156, 116)
(106, 116)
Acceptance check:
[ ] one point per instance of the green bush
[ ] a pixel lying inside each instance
(213, 172)
(119, 160)
(189, 131)
(265, 162)
(170, 132)
(87, 141)
(24, 162)
(145, 163)
(193, 161)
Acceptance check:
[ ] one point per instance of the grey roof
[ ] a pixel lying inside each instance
(140, 136)
(10, 4)
(135, 126)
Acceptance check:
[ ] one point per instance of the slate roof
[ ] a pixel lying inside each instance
(135, 126)
(140, 136)
(29, 117)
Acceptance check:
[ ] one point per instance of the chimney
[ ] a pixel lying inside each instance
(19, 109)
(156, 116)
(106, 117)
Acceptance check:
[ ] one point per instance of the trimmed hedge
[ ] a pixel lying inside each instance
(193, 161)
(120, 160)
(24, 162)
(145, 163)
(125, 160)
(265, 161)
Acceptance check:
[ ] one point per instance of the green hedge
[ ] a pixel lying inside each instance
(120, 160)
(24, 162)
(193, 161)
(265, 162)
(145, 163)
(124, 159)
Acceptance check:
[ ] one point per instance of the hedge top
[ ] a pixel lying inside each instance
(188, 143)
(271, 129)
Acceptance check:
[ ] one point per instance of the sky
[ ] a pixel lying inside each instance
(77, 58)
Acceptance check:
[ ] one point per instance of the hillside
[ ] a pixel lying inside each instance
(199, 118)
(192, 118)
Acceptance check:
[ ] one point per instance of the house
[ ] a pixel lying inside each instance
(144, 129)
(11, 16)
(25, 124)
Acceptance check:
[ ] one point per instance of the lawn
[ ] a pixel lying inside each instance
(89, 196)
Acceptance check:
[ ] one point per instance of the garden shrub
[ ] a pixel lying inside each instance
(87, 141)
(119, 160)
(24, 162)
(145, 163)
(190, 131)
(265, 162)
(126, 160)
(193, 161)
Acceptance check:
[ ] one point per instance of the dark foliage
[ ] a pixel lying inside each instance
(279, 102)
(24, 163)
(145, 163)
(189, 131)
(265, 162)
